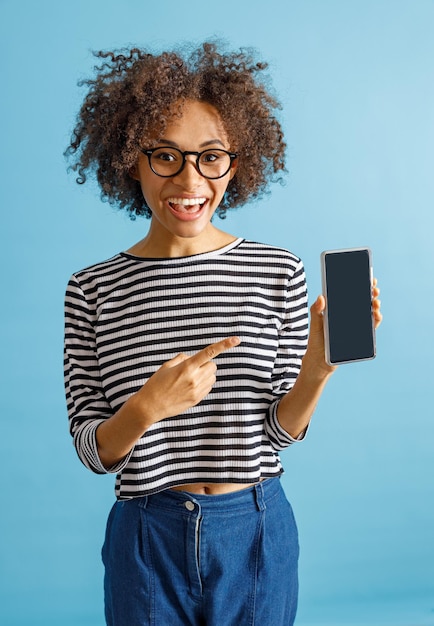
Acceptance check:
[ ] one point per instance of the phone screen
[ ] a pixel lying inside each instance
(347, 286)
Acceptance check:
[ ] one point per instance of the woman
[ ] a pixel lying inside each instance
(187, 359)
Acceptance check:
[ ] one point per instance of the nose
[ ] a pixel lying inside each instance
(189, 177)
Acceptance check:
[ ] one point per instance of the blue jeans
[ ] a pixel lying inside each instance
(176, 559)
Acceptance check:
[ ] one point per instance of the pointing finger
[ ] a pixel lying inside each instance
(213, 350)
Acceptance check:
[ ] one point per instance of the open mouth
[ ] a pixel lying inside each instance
(187, 205)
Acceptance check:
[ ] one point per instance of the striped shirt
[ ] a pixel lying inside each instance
(128, 315)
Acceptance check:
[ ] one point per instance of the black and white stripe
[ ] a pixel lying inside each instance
(126, 316)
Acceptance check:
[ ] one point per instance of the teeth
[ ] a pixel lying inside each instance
(186, 201)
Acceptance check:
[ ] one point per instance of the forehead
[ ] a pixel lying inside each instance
(195, 119)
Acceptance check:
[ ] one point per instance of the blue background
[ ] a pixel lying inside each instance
(357, 82)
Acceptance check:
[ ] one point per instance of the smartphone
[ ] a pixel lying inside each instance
(349, 331)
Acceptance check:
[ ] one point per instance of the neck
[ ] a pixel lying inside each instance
(153, 246)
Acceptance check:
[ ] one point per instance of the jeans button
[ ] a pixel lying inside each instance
(189, 505)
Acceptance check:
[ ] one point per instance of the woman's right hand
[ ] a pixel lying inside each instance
(180, 383)
(175, 387)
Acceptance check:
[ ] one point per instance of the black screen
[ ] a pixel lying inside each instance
(349, 313)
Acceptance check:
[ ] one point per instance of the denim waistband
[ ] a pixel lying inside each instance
(250, 498)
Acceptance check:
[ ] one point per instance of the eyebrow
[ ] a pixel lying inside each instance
(168, 142)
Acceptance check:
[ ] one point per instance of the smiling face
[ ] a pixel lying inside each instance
(182, 205)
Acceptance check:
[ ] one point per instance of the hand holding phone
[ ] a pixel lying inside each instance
(349, 331)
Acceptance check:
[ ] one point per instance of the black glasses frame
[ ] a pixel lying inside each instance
(149, 152)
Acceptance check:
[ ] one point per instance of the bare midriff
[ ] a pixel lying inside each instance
(211, 489)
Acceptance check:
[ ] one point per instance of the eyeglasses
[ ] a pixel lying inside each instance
(167, 161)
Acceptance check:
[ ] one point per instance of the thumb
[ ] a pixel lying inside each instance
(179, 358)
(316, 311)
(319, 305)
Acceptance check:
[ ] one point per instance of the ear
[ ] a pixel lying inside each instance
(233, 169)
(134, 172)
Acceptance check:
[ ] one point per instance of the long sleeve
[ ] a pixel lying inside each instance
(86, 403)
(293, 337)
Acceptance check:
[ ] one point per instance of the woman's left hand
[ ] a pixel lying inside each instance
(376, 304)
(315, 354)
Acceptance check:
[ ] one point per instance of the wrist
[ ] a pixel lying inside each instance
(138, 412)
(315, 371)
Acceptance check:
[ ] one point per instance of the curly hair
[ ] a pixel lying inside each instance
(132, 98)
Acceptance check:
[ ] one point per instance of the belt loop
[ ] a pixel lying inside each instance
(260, 501)
(143, 502)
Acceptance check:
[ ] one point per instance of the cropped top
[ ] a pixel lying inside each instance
(126, 316)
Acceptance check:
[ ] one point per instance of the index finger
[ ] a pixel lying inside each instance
(213, 350)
